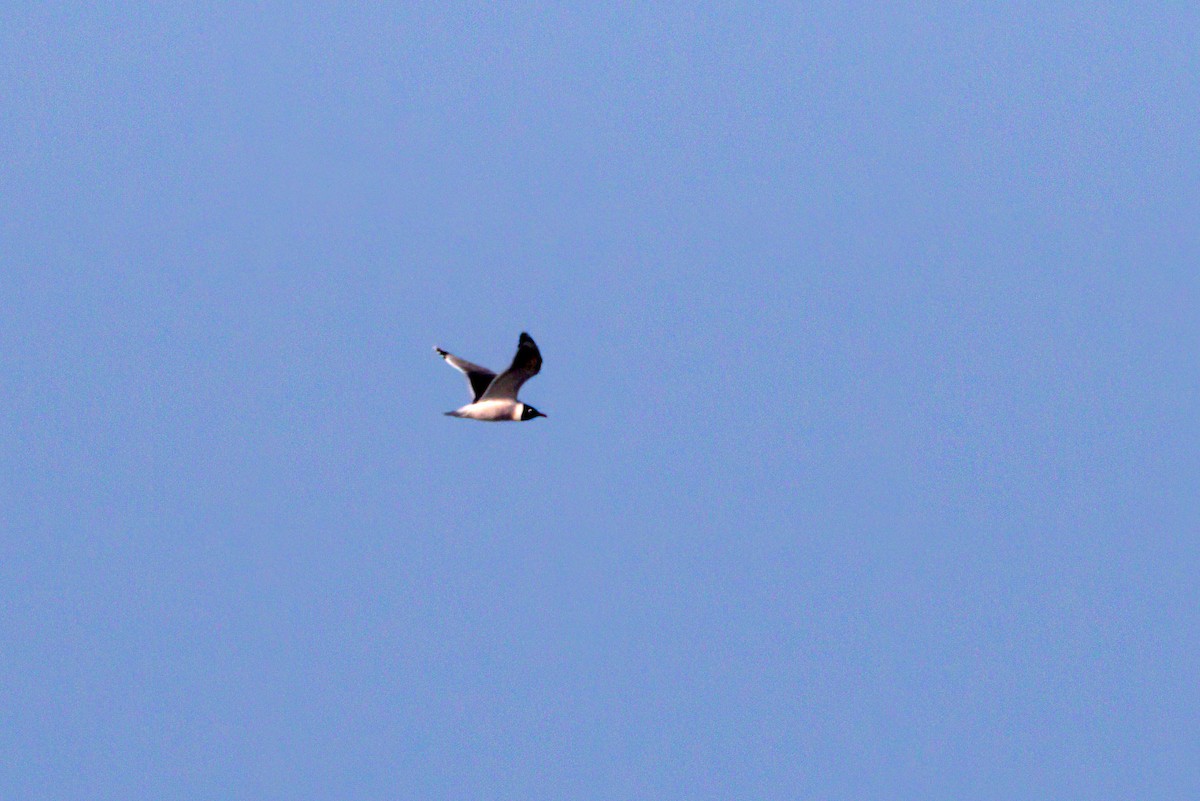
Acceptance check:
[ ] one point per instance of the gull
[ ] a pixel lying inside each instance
(494, 397)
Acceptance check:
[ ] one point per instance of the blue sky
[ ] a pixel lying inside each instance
(870, 468)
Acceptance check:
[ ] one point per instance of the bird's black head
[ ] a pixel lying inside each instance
(528, 413)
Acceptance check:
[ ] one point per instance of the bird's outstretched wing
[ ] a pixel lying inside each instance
(525, 365)
(479, 377)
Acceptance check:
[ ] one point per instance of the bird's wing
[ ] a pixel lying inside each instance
(480, 377)
(525, 365)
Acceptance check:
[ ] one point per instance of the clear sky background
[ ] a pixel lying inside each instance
(871, 466)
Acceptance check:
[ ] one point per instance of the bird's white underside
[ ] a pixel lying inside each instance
(492, 410)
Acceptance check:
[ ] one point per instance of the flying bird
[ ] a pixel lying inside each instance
(494, 397)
